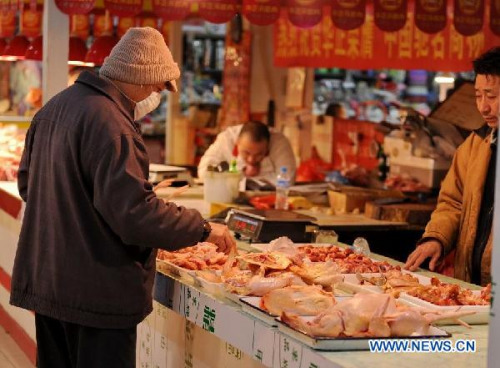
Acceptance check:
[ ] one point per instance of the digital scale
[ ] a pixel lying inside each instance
(266, 225)
(158, 172)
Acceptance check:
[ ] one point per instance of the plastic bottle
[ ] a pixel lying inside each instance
(282, 188)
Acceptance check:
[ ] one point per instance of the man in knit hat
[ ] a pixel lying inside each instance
(85, 261)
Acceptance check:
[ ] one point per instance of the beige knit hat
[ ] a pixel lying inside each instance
(141, 57)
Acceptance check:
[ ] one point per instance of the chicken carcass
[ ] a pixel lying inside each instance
(326, 274)
(299, 300)
(370, 315)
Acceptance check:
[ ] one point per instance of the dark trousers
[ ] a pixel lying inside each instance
(68, 345)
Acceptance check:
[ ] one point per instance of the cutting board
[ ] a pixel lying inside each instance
(412, 213)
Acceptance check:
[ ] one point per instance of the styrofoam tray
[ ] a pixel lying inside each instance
(261, 247)
(481, 316)
(251, 305)
(347, 343)
(353, 285)
(170, 268)
(215, 288)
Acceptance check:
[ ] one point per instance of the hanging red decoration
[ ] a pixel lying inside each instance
(217, 11)
(430, 15)
(390, 15)
(304, 13)
(124, 8)
(468, 16)
(172, 9)
(348, 14)
(75, 6)
(261, 12)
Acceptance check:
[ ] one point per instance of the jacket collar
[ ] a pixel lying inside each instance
(488, 134)
(107, 88)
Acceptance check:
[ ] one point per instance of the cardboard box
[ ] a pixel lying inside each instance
(428, 171)
(350, 198)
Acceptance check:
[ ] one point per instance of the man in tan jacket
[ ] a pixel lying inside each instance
(463, 217)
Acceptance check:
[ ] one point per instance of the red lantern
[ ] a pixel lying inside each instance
(100, 49)
(348, 14)
(305, 13)
(261, 12)
(75, 6)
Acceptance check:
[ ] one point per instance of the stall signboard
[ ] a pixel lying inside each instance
(172, 9)
(75, 6)
(348, 14)
(304, 13)
(218, 11)
(261, 12)
(430, 15)
(31, 23)
(79, 26)
(124, 8)
(495, 17)
(368, 47)
(103, 25)
(7, 24)
(468, 17)
(124, 23)
(390, 15)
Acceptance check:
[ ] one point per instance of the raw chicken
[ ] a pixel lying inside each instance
(326, 274)
(299, 300)
(369, 315)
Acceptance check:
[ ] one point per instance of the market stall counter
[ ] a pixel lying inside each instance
(194, 327)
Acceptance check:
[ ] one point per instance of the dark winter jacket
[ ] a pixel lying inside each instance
(86, 251)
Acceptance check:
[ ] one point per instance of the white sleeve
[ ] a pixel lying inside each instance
(215, 154)
(281, 154)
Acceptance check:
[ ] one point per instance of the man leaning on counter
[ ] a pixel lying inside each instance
(463, 217)
(258, 151)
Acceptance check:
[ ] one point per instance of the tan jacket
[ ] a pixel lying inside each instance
(454, 222)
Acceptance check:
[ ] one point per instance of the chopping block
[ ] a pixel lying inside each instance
(412, 213)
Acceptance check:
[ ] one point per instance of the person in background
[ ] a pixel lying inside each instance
(85, 261)
(258, 151)
(463, 217)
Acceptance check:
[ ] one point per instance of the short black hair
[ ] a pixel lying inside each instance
(257, 130)
(488, 63)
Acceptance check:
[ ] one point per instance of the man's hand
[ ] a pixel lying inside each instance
(252, 170)
(430, 248)
(221, 237)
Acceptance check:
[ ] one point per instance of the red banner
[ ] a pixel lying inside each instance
(367, 47)
(304, 13)
(172, 9)
(217, 11)
(79, 26)
(7, 24)
(468, 17)
(430, 15)
(75, 6)
(103, 25)
(261, 12)
(390, 15)
(495, 17)
(348, 14)
(31, 23)
(123, 8)
(236, 80)
(124, 23)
